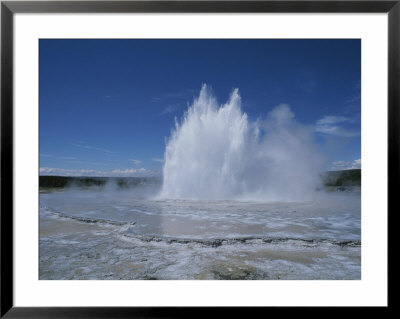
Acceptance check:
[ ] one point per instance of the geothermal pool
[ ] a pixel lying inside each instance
(103, 234)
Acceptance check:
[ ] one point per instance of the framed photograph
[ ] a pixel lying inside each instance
(163, 155)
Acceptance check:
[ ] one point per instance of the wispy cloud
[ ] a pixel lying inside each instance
(332, 119)
(85, 162)
(308, 86)
(353, 99)
(135, 161)
(170, 109)
(92, 148)
(160, 160)
(343, 165)
(129, 171)
(330, 125)
(67, 158)
(69, 172)
(73, 160)
(185, 94)
(357, 85)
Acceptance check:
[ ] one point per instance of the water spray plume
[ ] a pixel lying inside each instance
(216, 153)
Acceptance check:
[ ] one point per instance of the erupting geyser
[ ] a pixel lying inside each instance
(215, 152)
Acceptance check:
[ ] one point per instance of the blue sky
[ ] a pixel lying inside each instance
(107, 107)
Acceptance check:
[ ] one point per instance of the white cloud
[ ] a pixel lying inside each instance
(329, 125)
(96, 173)
(135, 161)
(69, 172)
(343, 165)
(160, 160)
(331, 119)
(129, 171)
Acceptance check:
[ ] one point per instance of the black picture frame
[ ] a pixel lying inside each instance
(9, 8)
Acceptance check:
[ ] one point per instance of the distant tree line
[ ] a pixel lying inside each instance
(67, 181)
(350, 177)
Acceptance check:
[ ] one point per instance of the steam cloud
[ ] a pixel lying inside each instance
(215, 153)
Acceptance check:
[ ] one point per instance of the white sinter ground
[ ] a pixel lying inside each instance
(95, 234)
